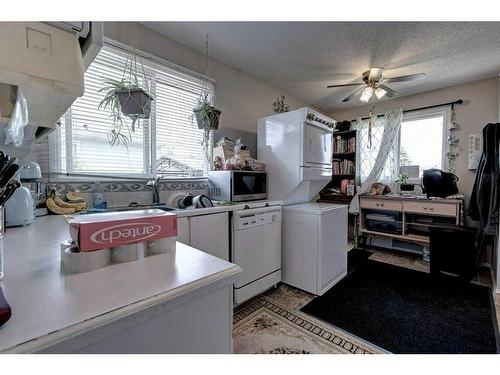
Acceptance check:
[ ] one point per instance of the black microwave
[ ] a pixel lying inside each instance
(238, 186)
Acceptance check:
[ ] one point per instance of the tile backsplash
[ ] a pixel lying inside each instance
(128, 186)
(122, 193)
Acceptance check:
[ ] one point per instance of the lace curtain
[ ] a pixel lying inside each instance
(378, 160)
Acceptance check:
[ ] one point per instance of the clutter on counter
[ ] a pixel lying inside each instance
(17, 199)
(234, 155)
(59, 206)
(98, 240)
(97, 231)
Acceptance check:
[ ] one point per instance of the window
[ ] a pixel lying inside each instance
(168, 140)
(422, 141)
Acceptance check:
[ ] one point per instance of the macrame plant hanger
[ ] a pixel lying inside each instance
(131, 76)
(204, 92)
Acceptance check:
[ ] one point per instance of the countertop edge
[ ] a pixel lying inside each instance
(226, 208)
(410, 199)
(224, 277)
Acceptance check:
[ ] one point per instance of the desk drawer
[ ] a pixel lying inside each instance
(381, 204)
(440, 209)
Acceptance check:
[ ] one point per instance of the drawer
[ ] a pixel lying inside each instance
(439, 209)
(381, 204)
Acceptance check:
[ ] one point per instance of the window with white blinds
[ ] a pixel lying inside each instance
(168, 143)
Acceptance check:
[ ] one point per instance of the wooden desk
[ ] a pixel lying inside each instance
(406, 218)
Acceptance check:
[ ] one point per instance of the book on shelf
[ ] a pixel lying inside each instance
(341, 145)
(343, 167)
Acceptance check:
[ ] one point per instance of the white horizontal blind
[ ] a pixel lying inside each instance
(82, 141)
(177, 136)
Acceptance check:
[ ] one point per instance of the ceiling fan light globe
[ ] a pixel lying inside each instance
(366, 95)
(379, 93)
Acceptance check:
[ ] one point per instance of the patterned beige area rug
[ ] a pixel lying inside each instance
(264, 325)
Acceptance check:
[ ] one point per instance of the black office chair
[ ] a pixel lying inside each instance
(453, 250)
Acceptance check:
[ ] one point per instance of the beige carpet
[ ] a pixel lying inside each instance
(272, 324)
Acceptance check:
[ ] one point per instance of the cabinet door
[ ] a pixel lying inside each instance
(317, 146)
(210, 233)
(183, 230)
(332, 259)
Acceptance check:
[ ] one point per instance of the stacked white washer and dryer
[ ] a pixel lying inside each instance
(297, 149)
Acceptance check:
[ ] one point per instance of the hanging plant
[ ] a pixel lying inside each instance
(129, 98)
(205, 112)
(207, 116)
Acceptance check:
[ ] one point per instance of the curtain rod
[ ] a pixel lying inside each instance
(452, 104)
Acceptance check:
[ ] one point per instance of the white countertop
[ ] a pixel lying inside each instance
(224, 208)
(315, 208)
(46, 303)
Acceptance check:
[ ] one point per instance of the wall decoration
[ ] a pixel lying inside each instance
(452, 140)
(280, 105)
(475, 150)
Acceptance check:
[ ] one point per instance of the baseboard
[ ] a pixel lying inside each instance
(333, 282)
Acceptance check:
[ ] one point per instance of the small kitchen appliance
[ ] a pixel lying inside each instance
(20, 208)
(238, 185)
(30, 176)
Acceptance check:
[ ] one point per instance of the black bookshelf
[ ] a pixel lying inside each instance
(341, 155)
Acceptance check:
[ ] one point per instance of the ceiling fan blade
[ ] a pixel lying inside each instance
(389, 92)
(354, 94)
(410, 77)
(345, 85)
(375, 74)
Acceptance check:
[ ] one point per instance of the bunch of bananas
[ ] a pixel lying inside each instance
(58, 206)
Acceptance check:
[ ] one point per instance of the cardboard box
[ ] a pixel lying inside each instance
(98, 231)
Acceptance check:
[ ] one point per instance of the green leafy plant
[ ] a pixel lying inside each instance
(121, 133)
(207, 117)
(403, 179)
(205, 113)
(116, 94)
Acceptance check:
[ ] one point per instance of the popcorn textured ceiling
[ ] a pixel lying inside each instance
(302, 58)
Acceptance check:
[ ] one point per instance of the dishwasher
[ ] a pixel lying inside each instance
(256, 248)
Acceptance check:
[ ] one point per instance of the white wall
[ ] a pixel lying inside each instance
(241, 97)
(481, 106)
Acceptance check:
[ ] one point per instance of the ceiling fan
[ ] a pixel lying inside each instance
(374, 83)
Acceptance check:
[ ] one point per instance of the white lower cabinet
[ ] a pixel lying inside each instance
(208, 233)
(183, 230)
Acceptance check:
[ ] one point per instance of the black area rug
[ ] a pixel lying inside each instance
(406, 311)
(356, 257)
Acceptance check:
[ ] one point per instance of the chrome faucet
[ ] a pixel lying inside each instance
(154, 184)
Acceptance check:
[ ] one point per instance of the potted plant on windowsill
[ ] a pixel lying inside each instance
(404, 186)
